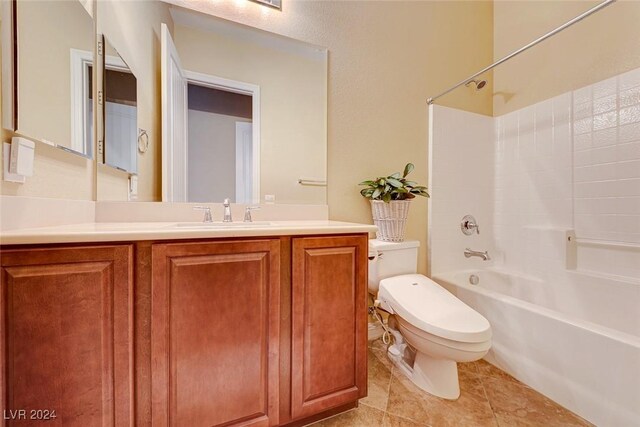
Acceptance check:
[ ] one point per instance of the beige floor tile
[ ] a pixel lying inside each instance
(489, 397)
(379, 379)
(515, 404)
(379, 350)
(408, 401)
(393, 421)
(487, 370)
(362, 416)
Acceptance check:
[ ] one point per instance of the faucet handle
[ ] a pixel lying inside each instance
(468, 225)
(207, 213)
(247, 213)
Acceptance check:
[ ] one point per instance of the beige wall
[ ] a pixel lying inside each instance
(293, 96)
(385, 60)
(133, 29)
(601, 46)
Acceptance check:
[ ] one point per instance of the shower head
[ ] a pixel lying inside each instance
(479, 83)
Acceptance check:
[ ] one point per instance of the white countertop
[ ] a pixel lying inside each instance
(134, 231)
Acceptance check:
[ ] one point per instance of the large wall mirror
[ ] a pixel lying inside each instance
(50, 83)
(243, 113)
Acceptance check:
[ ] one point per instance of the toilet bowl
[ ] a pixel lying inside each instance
(433, 330)
(438, 326)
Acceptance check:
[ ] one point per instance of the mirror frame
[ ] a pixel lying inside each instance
(9, 65)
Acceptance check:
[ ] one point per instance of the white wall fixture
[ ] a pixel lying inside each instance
(18, 159)
(6, 158)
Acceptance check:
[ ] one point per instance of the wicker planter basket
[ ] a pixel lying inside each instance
(390, 218)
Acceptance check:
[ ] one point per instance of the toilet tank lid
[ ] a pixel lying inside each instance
(379, 245)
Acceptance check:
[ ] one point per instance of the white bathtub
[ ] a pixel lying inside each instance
(556, 345)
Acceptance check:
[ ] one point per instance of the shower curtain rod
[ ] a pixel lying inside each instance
(528, 46)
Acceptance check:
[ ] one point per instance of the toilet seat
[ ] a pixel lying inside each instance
(431, 308)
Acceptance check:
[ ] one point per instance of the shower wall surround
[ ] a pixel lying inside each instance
(555, 188)
(570, 163)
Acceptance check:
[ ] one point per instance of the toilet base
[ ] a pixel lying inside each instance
(438, 377)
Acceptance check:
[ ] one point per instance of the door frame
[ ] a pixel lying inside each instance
(243, 88)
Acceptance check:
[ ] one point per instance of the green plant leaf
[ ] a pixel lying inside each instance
(408, 168)
(393, 187)
(394, 182)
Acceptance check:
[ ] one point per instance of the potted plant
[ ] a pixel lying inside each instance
(390, 200)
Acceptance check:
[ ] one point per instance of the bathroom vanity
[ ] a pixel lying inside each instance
(255, 326)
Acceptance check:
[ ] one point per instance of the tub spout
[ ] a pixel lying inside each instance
(480, 254)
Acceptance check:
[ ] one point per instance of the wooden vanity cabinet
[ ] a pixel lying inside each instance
(215, 313)
(329, 323)
(235, 332)
(66, 336)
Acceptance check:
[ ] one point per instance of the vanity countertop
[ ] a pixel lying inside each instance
(131, 231)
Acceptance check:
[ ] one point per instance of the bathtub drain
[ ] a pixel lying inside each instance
(473, 279)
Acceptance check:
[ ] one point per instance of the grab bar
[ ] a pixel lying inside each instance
(610, 243)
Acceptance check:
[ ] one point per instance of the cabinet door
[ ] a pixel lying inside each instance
(215, 333)
(329, 323)
(66, 335)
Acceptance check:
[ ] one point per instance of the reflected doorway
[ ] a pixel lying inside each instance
(220, 141)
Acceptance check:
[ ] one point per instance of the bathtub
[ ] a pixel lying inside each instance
(553, 342)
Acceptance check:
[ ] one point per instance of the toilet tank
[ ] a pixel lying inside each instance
(388, 259)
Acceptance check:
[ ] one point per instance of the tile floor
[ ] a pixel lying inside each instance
(489, 397)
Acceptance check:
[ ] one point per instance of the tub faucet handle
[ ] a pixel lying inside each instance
(468, 225)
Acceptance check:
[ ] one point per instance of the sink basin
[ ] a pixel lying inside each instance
(220, 224)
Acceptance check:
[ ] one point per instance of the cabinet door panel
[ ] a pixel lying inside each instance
(329, 323)
(67, 334)
(215, 333)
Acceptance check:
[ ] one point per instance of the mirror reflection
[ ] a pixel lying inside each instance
(244, 114)
(120, 112)
(220, 144)
(54, 39)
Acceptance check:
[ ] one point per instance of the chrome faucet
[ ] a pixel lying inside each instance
(247, 213)
(207, 213)
(227, 211)
(480, 254)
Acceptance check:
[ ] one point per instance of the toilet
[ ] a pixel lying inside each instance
(432, 329)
